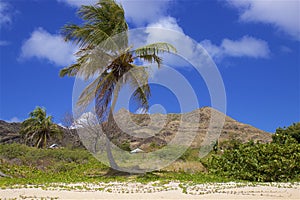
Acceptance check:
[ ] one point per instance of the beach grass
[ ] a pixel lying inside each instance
(28, 165)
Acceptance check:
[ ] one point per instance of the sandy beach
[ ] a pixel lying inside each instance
(170, 191)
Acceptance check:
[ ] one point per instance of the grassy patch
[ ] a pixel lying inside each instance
(29, 165)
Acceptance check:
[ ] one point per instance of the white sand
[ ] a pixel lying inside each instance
(218, 191)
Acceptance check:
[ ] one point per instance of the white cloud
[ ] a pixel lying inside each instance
(286, 49)
(14, 119)
(167, 30)
(43, 45)
(4, 43)
(139, 12)
(144, 11)
(5, 13)
(245, 47)
(163, 28)
(77, 3)
(283, 14)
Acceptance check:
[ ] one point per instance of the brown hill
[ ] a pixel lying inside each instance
(158, 129)
(153, 131)
(9, 133)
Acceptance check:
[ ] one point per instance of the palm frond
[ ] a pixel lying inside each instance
(39, 127)
(152, 59)
(70, 71)
(89, 93)
(102, 21)
(90, 63)
(138, 79)
(149, 53)
(104, 52)
(155, 49)
(103, 98)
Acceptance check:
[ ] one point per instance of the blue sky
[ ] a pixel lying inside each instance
(255, 45)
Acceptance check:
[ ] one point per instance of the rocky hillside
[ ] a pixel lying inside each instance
(9, 133)
(156, 130)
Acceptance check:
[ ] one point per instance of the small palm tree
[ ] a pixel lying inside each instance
(112, 62)
(39, 127)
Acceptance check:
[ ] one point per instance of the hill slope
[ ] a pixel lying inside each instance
(154, 130)
(159, 129)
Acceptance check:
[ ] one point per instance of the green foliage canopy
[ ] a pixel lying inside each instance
(290, 134)
(275, 161)
(38, 128)
(105, 53)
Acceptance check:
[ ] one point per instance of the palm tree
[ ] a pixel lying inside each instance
(39, 127)
(110, 58)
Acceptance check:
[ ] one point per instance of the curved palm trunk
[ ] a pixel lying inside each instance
(109, 154)
(110, 122)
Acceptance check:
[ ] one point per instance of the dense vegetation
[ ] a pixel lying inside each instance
(38, 128)
(275, 161)
(290, 134)
(31, 165)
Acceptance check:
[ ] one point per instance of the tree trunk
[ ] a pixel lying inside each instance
(109, 154)
(110, 123)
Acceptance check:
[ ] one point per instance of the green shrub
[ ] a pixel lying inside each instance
(190, 155)
(230, 144)
(276, 161)
(32, 154)
(290, 134)
(125, 146)
(259, 162)
(13, 150)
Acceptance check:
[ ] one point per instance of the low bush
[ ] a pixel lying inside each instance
(259, 162)
(30, 165)
(275, 161)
